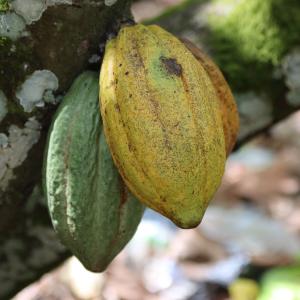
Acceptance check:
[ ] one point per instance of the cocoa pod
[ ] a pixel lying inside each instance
(91, 209)
(228, 107)
(162, 122)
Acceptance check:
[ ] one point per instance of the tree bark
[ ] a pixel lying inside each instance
(44, 45)
(42, 49)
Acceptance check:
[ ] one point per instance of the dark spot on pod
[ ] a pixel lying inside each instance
(117, 107)
(130, 147)
(123, 193)
(126, 73)
(171, 65)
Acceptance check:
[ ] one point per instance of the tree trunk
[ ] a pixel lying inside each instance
(43, 47)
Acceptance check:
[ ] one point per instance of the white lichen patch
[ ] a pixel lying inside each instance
(12, 26)
(3, 140)
(58, 2)
(110, 2)
(291, 71)
(18, 142)
(47, 249)
(255, 112)
(37, 89)
(30, 10)
(3, 108)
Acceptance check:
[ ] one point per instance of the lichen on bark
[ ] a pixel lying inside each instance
(61, 41)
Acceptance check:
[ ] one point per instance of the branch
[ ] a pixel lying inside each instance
(259, 56)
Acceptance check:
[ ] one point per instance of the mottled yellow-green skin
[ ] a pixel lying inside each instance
(228, 106)
(162, 122)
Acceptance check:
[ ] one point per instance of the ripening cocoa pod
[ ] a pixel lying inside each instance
(229, 110)
(162, 122)
(91, 209)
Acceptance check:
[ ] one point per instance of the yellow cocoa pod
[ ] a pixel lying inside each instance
(162, 122)
(228, 107)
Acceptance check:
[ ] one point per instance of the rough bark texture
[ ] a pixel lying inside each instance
(42, 49)
(256, 43)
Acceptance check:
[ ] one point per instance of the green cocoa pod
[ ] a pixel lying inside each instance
(91, 209)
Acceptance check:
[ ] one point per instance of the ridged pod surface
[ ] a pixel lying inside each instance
(229, 110)
(162, 122)
(90, 207)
